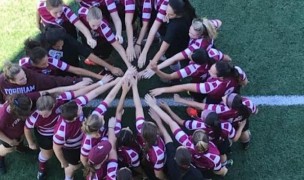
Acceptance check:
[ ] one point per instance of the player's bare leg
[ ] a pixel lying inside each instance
(3, 152)
(43, 157)
(245, 139)
(69, 171)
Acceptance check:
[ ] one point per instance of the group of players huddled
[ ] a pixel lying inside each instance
(42, 96)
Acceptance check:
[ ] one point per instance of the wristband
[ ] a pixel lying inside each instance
(100, 82)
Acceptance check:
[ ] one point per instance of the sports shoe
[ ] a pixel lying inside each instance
(89, 62)
(229, 163)
(2, 166)
(41, 175)
(192, 112)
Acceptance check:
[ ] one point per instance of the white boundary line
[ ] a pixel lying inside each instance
(258, 100)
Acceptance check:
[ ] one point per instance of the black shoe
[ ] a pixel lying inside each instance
(2, 167)
(41, 175)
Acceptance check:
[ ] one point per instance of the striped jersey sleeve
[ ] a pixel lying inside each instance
(218, 108)
(112, 168)
(117, 127)
(24, 61)
(58, 64)
(101, 108)
(146, 10)
(183, 138)
(242, 73)
(70, 15)
(139, 123)
(133, 157)
(193, 45)
(228, 129)
(188, 70)
(129, 6)
(162, 11)
(207, 87)
(81, 100)
(59, 133)
(247, 102)
(30, 121)
(111, 6)
(105, 31)
(194, 124)
(65, 96)
(215, 54)
(86, 145)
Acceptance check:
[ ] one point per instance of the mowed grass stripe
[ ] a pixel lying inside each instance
(275, 100)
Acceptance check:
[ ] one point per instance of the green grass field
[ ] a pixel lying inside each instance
(263, 37)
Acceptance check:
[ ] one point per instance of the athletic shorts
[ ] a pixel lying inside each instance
(246, 127)
(72, 156)
(223, 146)
(103, 48)
(44, 142)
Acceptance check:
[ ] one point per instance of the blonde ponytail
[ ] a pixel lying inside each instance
(211, 31)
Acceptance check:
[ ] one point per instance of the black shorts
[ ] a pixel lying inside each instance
(223, 146)
(72, 156)
(236, 126)
(246, 127)
(44, 142)
(207, 174)
(103, 48)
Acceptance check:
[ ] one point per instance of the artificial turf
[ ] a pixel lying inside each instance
(275, 151)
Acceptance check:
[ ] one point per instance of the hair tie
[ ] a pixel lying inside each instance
(16, 102)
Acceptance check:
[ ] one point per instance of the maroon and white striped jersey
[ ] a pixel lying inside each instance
(88, 142)
(69, 133)
(227, 114)
(45, 126)
(103, 31)
(127, 5)
(161, 9)
(216, 88)
(227, 129)
(146, 10)
(205, 44)
(127, 154)
(156, 154)
(210, 160)
(108, 171)
(101, 109)
(112, 169)
(53, 66)
(47, 18)
(160, 6)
